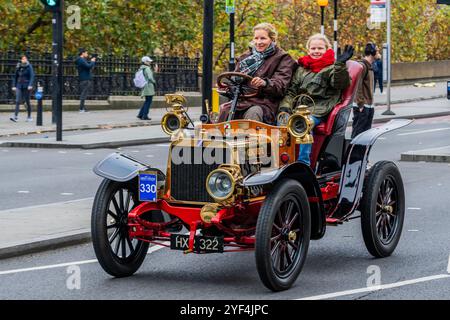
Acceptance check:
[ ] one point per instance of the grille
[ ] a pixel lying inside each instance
(188, 179)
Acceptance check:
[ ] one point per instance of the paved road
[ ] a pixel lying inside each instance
(337, 263)
(41, 176)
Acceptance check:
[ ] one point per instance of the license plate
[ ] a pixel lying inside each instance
(148, 186)
(201, 243)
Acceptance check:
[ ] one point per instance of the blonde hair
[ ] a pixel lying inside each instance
(273, 34)
(319, 36)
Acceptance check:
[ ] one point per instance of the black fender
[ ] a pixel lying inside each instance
(303, 174)
(120, 167)
(354, 169)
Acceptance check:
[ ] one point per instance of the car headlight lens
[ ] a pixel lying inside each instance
(220, 184)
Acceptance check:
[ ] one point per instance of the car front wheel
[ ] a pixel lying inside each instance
(282, 235)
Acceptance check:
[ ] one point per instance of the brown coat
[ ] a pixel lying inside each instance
(277, 70)
(364, 95)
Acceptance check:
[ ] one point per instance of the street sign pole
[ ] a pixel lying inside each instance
(335, 44)
(57, 8)
(232, 64)
(389, 60)
(230, 7)
(208, 29)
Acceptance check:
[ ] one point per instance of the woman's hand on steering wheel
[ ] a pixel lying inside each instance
(258, 82)
(227, 80)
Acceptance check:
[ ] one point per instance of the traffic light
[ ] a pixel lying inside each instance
(51, 5)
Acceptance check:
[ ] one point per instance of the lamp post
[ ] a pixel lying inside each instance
(322, 4)
(208, 30)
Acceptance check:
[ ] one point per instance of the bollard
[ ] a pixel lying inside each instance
(39, 95)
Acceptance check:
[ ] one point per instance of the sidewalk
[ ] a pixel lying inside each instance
(62, 224)
(116, 118)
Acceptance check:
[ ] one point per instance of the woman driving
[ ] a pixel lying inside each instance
(271, 68)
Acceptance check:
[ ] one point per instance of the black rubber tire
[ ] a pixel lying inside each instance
(382, 172)
(112, 262)
(274, 278)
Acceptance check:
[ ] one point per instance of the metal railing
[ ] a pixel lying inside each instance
(112, 75)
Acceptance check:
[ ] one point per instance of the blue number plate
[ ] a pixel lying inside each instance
(148, 190)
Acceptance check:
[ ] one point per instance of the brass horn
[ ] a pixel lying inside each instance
(300, 124)
(175, 119)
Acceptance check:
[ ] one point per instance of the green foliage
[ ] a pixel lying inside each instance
(420, 28)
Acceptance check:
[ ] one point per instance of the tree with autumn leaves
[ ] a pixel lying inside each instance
(420, 28)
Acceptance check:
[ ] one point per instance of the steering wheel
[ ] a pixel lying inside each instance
(227, 80)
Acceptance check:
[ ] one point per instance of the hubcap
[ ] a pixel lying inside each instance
(120, 205)
(386, 211)
(286, 238)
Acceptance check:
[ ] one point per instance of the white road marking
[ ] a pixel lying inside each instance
(422, 131)
(88, 153)
(413, 230)
(34, 151)
(150, 156)
(61, 265)
(23, 191)
(67, 194)
(376, 288)
(5, 150)
(448, 266)
(135, 151)
(62, 151)
(414, 208)
(163, 145)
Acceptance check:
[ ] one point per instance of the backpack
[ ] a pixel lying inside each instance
(139, 79)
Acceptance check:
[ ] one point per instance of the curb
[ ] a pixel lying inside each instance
(413, 116)
(87, 127)
(98, 145)
(46, 243)
(425, 157)
(412, 100)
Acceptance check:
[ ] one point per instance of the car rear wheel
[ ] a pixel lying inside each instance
(118, 255)
(282, 235)
(382, 209)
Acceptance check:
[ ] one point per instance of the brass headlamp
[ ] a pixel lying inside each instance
(175, 119)
(221, 183)
(300, 123)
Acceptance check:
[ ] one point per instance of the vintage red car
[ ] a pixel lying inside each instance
(236, 186)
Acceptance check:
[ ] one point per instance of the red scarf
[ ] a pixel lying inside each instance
(315, 65)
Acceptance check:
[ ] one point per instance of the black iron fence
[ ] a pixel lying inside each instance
(112, 75)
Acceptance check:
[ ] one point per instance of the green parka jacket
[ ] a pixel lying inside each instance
(325, 87)
(149, 89)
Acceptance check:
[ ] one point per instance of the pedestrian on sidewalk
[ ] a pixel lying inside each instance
(84, 75)
(148, 91)
(378, 72)
(363, 105)
(22, 85)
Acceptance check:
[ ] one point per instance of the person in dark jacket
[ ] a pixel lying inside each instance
(323, 78)
(23, 81)
(363, 110)
(377, 67)
(271, 68)
(84, 75)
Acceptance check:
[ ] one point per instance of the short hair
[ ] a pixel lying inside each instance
(273, 34)
(370, 49)
(81, 51)
(319, 36)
